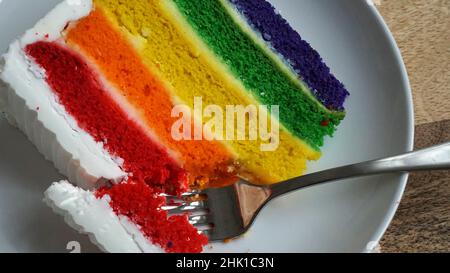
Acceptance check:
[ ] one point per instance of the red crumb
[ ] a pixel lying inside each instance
(83, 96)
(325, 123)
(140, 204)
(46, 36)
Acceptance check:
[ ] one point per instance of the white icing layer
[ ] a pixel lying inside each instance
(33, 107)
(93, 216)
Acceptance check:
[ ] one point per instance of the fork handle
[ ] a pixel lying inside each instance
(433, 158)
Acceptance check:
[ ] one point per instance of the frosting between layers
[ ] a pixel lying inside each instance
(22, 76)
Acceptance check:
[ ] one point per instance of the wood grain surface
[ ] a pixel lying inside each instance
(422, 222)
(422, 31)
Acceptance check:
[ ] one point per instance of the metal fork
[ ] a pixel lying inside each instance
(225, 213)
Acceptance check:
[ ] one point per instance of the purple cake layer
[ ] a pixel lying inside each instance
(306, 61)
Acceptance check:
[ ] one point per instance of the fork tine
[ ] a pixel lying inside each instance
(204, 227)
(184, 195)
(185, 198)
(199, 212)
(207, 232)
(185, 207)
(200, 219)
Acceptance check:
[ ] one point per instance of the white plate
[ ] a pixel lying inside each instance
(342, 217)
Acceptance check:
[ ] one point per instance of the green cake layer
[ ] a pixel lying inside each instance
(300, 113)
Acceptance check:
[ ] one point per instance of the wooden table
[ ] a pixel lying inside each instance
(422, 31)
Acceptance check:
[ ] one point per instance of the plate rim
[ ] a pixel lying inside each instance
(384, 225)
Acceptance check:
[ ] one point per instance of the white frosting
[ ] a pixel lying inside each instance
(53, 23)
(138, 237)
(93, 216)
(27, 83)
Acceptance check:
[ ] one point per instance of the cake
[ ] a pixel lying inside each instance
(95, 86)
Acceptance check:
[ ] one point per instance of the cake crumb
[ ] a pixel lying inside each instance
(325, 123)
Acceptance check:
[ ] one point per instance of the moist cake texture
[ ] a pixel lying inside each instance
(94, 85)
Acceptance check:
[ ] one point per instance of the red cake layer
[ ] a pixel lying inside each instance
(80, 91)
(138, 202)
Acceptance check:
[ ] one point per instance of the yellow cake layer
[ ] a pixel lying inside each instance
(172, 50)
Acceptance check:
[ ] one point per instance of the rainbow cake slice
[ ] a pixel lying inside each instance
(94, 86)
